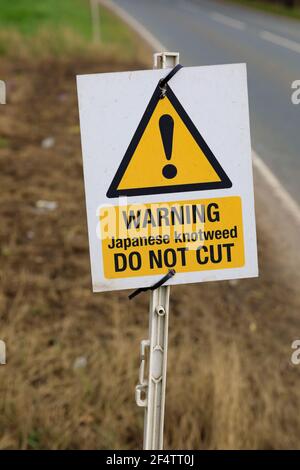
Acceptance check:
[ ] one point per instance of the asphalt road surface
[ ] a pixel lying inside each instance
(207, 32)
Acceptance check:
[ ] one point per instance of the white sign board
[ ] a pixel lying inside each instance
(168, 179)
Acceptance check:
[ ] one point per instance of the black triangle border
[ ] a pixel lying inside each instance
(224, 183)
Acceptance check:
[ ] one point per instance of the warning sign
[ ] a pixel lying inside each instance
(189, 236)
(167, 154)
(168, 179)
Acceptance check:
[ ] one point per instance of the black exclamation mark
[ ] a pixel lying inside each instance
(166, 126)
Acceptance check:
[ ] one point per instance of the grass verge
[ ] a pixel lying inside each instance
(56, 26)
(72, 356)
(276, 9)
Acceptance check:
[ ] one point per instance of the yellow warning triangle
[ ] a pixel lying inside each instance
(167, 154)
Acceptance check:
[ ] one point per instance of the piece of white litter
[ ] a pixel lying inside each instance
(48, 142)
(45, 206)
(80, 363)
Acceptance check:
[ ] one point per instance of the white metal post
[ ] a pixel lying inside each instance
(151, 391)
(95, 14)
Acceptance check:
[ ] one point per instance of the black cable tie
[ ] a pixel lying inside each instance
(163, 81)
(158, 284)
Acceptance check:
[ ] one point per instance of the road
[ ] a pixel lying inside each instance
(215, 32)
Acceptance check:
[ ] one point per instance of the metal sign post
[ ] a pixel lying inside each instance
(95, 15)
(172, 152)
(151, 391)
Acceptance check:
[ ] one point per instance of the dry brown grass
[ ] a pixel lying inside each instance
(230, 383)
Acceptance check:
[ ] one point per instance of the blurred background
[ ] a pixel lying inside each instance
(73, 356)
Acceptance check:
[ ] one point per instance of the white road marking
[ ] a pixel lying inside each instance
(275, 186)
(280, 41)
(228, 21)
(135, 25)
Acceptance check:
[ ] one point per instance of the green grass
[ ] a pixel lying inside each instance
(28, 17)
(277, 9)
(4, 143)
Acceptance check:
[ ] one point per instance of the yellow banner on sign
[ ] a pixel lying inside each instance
(149, 239)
